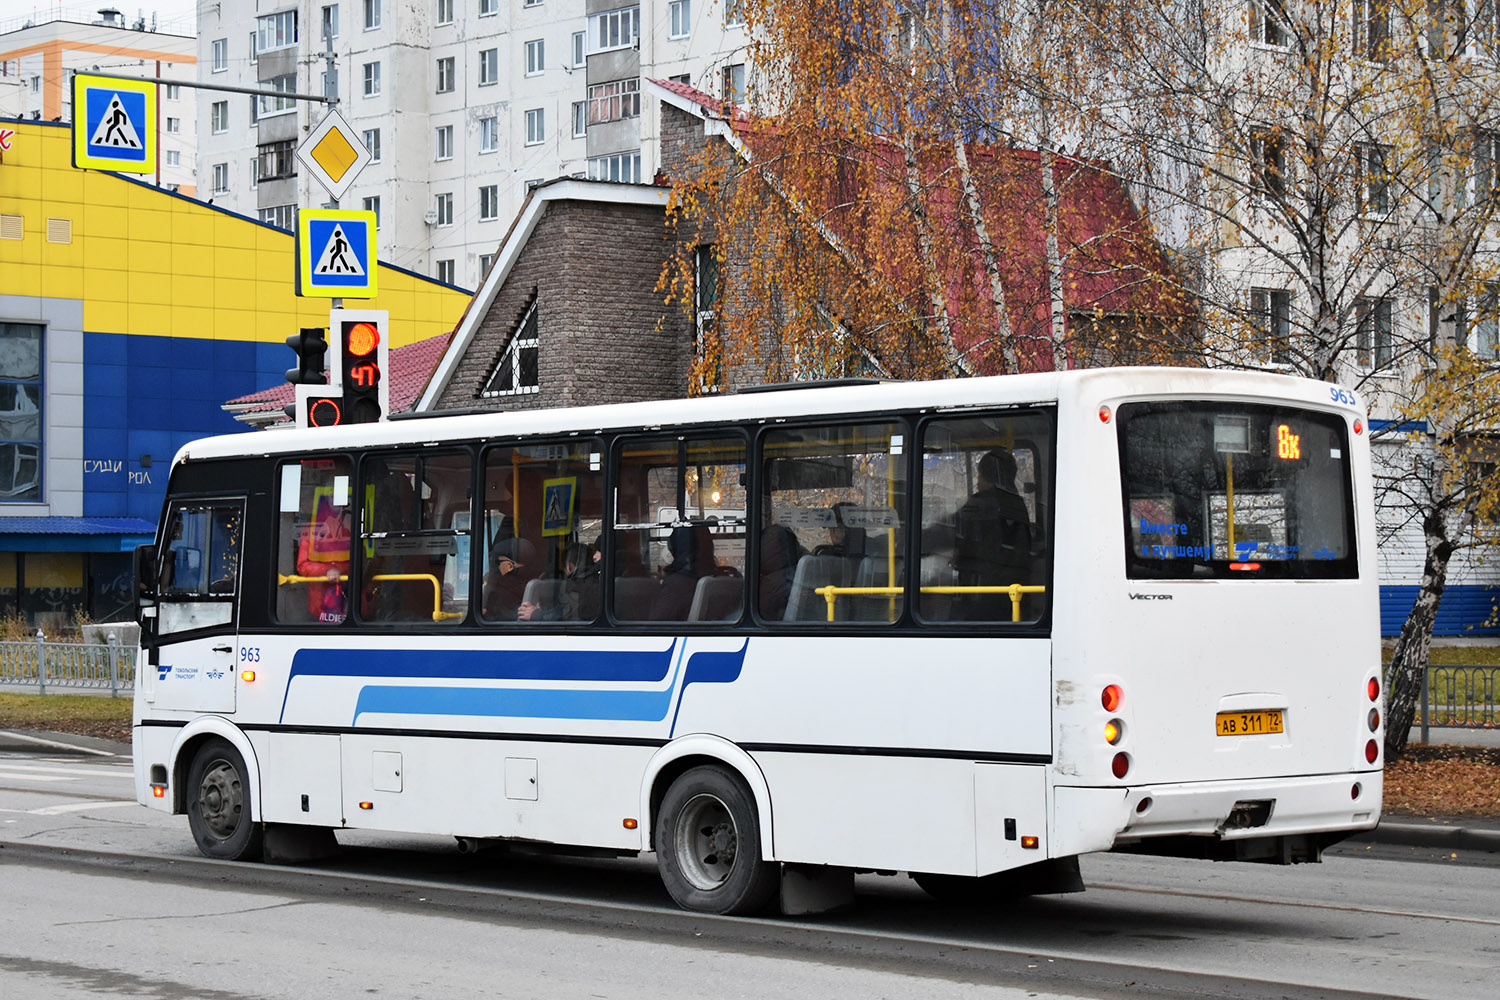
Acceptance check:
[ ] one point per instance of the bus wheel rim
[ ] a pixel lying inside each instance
(220, 801)
(706, 841)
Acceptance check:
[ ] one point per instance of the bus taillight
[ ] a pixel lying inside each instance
(1374, 719)
(1113, 730)
(1104, 414)
(1120, 766)
(1373, 688)
(1111, 697)
(1372, 750)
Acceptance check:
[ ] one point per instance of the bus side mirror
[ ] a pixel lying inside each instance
(145, 576)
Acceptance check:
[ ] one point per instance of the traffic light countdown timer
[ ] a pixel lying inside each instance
(357, 389)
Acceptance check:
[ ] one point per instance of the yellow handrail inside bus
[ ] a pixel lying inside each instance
(438, 614)
(1015, 590)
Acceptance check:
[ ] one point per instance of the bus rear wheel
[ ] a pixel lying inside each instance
(218, 804)
(707, 840)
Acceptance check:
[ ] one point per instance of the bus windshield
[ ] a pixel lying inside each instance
(1215, 489)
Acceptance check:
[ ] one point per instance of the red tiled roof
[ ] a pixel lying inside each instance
(410, 368)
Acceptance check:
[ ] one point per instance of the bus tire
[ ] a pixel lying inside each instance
(218, 804)
(708, 845)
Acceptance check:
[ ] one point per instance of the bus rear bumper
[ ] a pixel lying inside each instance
(1186, 819)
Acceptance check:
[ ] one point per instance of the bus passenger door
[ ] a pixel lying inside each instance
(192, 656)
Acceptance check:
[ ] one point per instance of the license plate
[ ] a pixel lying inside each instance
(1247, 723)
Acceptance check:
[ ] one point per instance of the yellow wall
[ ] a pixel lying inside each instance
(145, 261)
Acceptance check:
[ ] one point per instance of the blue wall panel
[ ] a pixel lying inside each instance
(1464, 610)
(150, 396)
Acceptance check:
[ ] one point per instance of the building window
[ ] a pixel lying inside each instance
(536, 56)
(614, 100)
(489, 203)
(444, 146)
(372, 14)
(254, 109)
(624, 167)
(254, 171)
(445, 271)
(580, 119)
(1486, 163)
(1486, 341)
(489, 67)
(286, 84)
(485, 260)
(614, 29)
(682, 18)
(734, 13)
(330, 22)
(516, 369)
(536, 126)
(732, 84)
(1373, 332)
(580, 48)
(1372, 178)
(174, 92)
(20, 413)
(1268, 24)
(280, 216)
(373, 205)
(526, 3)
(174, 158)
(444, 205)
(278, 160)
(218, 116)
(174, 124)
(221, 178)
(1268, 163)
(489, 135)
(445, 75)
(685, 79)
(444, 12)
(254, 51)
(372, 143)
(705, 293)
(276, 31)
(372, 79)
(488, 7)
(218, 55)
(1271, 312)
(1372, 28)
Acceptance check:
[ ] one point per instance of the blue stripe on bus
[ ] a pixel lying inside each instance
(604, 705)
(648, 666)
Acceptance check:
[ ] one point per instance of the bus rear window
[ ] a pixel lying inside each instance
(1235, 490)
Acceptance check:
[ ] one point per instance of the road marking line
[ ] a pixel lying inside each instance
(96, 772)
(74, 807)
(11, 733)
(19, 776)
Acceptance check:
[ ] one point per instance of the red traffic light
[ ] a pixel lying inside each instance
(324, 411)
(361, 339)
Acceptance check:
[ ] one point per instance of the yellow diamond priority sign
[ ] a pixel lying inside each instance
(334, 154)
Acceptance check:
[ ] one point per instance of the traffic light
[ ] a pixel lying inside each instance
(311, 349)
(363, 352)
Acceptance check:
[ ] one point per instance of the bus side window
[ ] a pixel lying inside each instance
(199, 572)
(313, 533)
(679, 534)
(410, 536)
(982, 532)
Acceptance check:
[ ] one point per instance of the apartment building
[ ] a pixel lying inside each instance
(40, 53)
(463, 104)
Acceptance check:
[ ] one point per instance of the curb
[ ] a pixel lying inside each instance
(1417, 834)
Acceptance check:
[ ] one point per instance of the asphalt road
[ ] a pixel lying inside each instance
(99, 897)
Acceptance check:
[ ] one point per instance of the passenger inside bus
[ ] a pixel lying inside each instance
(324, 551)
(993, 537)
(692, 554)
(577, 597)
(512, 565)
(779, 552)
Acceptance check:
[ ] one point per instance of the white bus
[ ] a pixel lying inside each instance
(968, 630)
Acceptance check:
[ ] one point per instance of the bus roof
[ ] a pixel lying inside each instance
(1000, 390)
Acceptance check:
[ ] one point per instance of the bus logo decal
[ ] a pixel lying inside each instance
(1150, 597)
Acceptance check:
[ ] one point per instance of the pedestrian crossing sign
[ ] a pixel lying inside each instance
(114, 124)
(336, 253)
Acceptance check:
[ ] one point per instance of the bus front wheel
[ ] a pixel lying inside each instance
(707, 840)
(218, 805)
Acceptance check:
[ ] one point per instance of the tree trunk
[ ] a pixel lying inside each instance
(1408, 671)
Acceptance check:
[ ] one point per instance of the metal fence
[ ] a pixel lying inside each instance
(44, 666)
(1459, 697)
